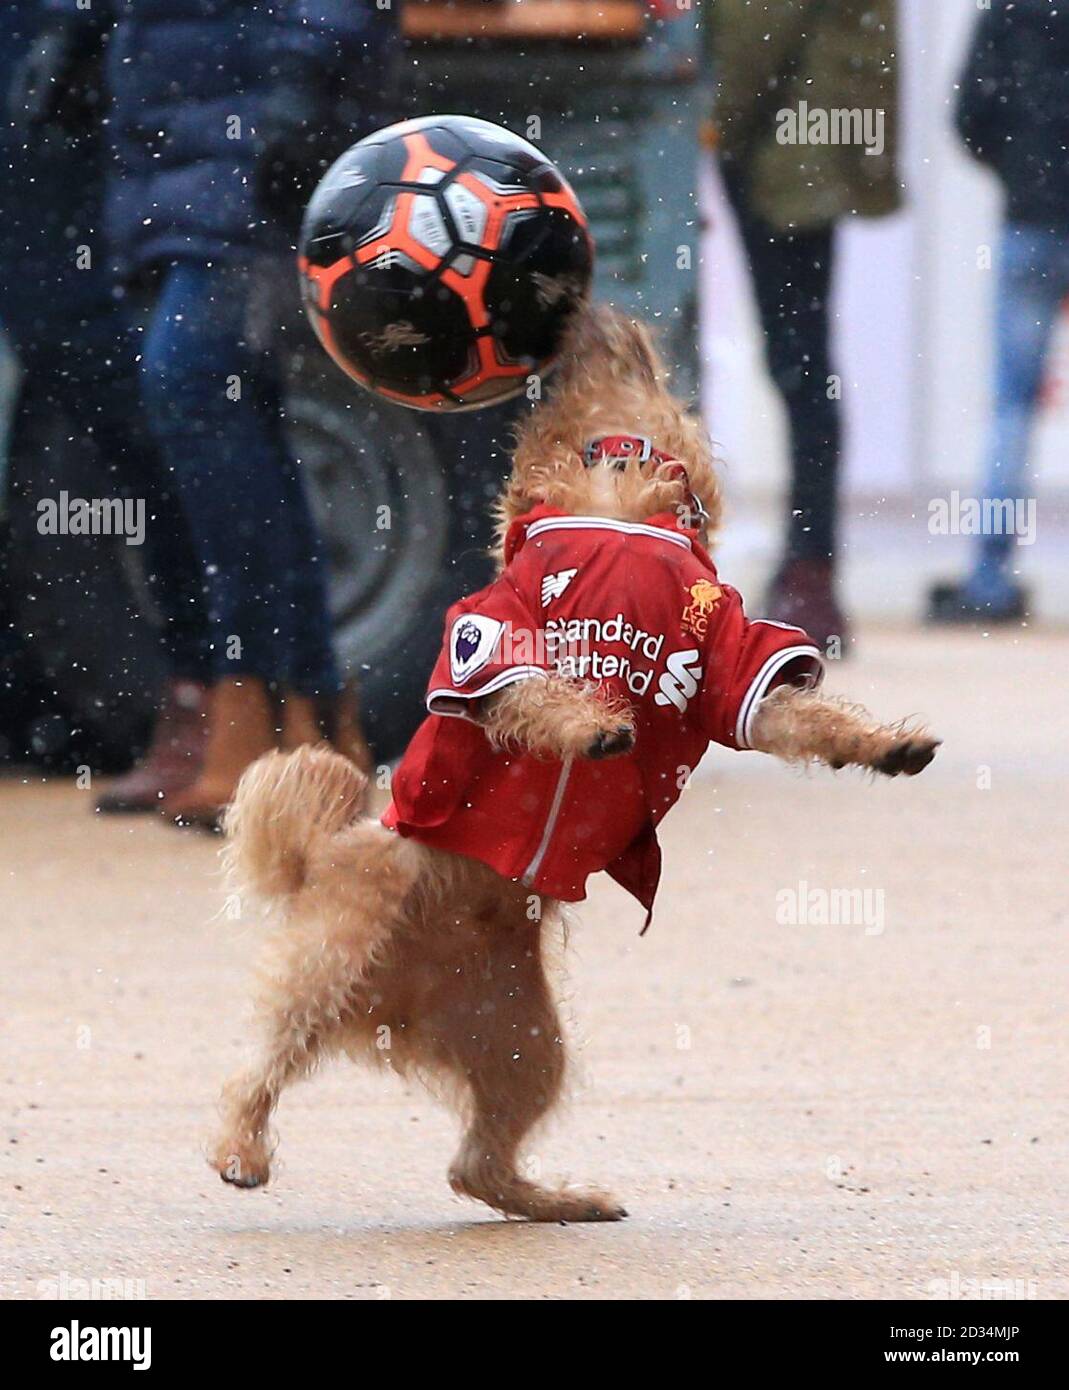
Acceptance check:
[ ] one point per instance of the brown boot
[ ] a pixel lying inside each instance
(173, 758)
(241, 728)
(345, 732)
(300, 721)
(803, 592)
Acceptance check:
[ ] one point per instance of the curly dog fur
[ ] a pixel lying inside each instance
(430, 962)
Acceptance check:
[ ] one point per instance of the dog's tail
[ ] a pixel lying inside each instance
(287, 804)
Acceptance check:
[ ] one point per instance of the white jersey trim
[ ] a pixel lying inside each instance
(531, 871)
(437, 700)
(760, 683)
(604, 523)
(773, 622)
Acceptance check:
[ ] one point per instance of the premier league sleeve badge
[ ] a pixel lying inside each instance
(472, 643)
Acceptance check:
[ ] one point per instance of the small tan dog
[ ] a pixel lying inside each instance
(573, 697)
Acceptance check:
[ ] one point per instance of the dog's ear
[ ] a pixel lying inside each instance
(608, 377)
(602, 345)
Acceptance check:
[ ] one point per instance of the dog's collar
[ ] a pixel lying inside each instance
(624, 448)
(621, 449)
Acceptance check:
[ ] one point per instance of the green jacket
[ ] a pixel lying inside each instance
(767, 57)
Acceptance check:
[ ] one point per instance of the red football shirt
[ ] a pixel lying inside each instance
(636, 608)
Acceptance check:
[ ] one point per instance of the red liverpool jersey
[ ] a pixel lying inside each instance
(636, 608)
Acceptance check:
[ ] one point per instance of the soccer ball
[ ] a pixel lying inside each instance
(440, 260)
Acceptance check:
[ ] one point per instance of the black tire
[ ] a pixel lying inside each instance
(403, 502)
(88, 624)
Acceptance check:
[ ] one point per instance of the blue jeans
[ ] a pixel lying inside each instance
(212, 394)
(1033, 279)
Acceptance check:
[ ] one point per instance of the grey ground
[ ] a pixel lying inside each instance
(787, 1110)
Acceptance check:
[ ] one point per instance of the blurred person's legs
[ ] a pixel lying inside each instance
(213, 395)
(80, 360)
(1033, 280)
(791, 274)
(78, 353)
(107, 383)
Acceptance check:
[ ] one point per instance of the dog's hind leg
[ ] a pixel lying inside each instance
(313, 983)
(302, 1010)
(505, 1043)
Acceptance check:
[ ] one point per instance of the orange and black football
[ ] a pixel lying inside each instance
(440, 259)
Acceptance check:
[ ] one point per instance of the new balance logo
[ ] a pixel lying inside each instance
(555, 584)
(679, 684)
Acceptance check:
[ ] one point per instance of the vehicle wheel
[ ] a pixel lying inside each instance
(402, 501)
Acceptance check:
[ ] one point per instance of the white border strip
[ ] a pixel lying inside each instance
(760, 683)
(514, 673)
(604, 523)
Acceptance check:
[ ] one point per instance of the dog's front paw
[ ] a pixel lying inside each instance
(611, 743)
(908, 756)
